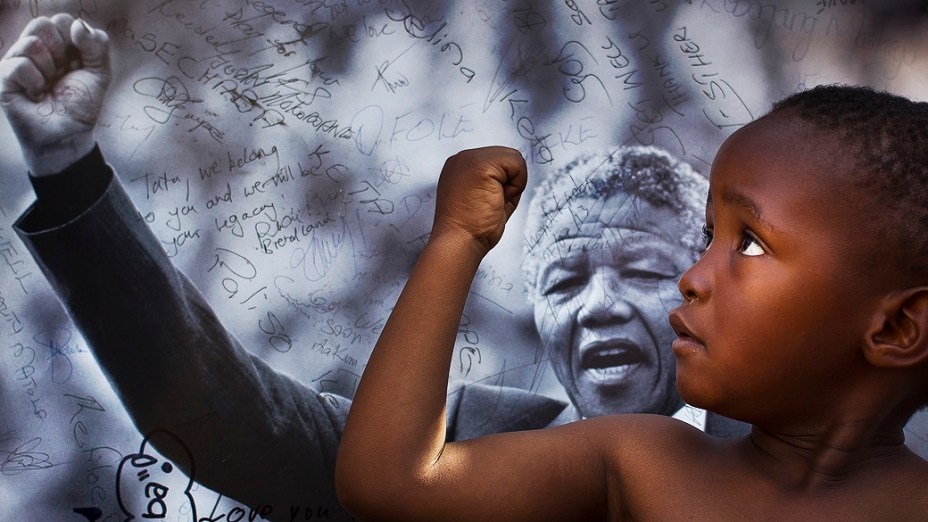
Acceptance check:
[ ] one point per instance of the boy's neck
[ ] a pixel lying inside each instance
(817, 459)
(860, 432)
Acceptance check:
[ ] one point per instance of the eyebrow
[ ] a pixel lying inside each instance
(742, 201)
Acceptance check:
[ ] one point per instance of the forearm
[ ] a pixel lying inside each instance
(396, 427)
(172, 362)
(393, 462)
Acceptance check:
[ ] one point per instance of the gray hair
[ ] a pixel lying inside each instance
(643, 172)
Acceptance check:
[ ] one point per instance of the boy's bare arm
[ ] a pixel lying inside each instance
(393, 461)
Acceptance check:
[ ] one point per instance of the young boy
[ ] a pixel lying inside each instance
(807, 316)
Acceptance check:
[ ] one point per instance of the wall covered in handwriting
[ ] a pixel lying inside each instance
(191, 354)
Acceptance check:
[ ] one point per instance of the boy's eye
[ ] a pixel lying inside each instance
(750, 247)
(707, 236)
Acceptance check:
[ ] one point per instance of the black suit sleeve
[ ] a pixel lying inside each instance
(255, 435)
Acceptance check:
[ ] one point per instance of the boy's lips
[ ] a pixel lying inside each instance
(686, 342)
(608, 362)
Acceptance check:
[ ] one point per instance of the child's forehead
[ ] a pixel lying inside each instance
(781, 165)
(788, 151)
(774, 176)
(783, 131)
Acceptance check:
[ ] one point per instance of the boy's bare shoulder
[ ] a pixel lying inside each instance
(647, 432)
(637, 448)
(657, 467)
(662, 469)
(907, 480)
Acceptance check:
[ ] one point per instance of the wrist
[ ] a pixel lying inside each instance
(56, 157)
(461, 242)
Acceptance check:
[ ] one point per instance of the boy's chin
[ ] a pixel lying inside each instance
(698, 395)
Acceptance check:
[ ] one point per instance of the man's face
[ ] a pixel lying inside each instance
(605, 287)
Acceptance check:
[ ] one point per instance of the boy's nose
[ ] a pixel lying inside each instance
(694, 284)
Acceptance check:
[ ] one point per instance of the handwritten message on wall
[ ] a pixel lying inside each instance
(285, 153)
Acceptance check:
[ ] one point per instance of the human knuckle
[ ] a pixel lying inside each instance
(463, 160)
(33, 44)
(16, 66)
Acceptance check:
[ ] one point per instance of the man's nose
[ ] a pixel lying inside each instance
(605, 300)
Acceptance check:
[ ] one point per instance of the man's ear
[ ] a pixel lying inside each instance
(899, 336)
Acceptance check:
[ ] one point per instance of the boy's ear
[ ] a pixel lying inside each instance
(899, 336)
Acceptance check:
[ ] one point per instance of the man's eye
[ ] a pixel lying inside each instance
(563, 284)
(750, 247)
(645, 274)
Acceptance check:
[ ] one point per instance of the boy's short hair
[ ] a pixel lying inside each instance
(886, 137)
(643, 172)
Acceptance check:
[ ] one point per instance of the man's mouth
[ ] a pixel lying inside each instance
(610, 362)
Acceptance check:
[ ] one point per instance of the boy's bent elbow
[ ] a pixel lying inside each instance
(362, 490)
(371, 491)
(349, 483)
